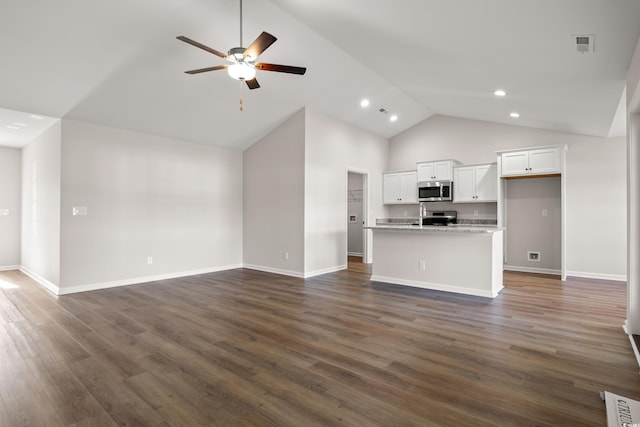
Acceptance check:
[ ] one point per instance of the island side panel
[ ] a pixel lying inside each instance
(467, 263)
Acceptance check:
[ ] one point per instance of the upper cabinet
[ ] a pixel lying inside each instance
(400, 187)
(539, 161)
(476, 183)
(436, 171)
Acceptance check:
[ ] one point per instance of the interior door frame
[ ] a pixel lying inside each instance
(367, 256)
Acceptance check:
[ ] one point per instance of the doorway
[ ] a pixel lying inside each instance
(357, 215)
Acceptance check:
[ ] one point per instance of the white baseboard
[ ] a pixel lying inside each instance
(587, 275)
(354, 253)
(9, 267)
(531, 270)
(636, 350)
(325, 271)
(42, 281)
(436, 286)
(295, 273)
(274, 270)
(145, 279)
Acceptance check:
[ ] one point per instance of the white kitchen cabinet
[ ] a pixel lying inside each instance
(475, 183)
(541, 161)
(400, 187)
(436, 171)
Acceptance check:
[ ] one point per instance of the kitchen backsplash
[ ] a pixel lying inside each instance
(466, 211)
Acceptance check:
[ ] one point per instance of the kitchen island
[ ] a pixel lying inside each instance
(465, 259)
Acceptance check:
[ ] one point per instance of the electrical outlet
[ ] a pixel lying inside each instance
(533, 256)
(79, 210)
(475, 213)
(544, 212)
(285, 255)
(4, 212)
(405, 212)
(149, 260)
(422, 265)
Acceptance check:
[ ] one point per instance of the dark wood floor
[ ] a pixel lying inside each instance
(246, 348)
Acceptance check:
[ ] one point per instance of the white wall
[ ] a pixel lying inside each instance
(633, 179)
(10, 183)
(595, 166)
(274, 199)
(40, 237)
(178, 202)
(332, 148)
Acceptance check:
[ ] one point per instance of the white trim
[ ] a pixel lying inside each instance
(42, 281)
(295, 273)
(588, 275)
(532, 270)
(9, 267)
(354, 253)
(636, 350)
(274, 270)
(325, 271)
(436, 286)
(139, 280)
(367, 234)
(541, 147)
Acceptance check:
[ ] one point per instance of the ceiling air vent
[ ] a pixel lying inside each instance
(583, 43)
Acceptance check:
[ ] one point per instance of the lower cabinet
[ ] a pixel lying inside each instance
(476, 183)
(400, 187)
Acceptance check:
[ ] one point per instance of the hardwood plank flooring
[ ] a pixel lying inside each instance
(245, 348)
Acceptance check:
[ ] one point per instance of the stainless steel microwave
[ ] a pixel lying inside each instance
(435, 191)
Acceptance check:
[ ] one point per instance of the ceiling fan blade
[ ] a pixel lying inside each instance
(281, 68)
(253, 83)
(204, 70)
(201, 46)
(259, 45)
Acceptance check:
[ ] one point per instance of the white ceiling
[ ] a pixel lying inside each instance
(118, 63)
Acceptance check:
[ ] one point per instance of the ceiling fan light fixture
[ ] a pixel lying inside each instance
(241, 71)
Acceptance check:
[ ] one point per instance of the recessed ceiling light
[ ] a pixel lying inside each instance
(515, 115)
(393, 118)
(37, 117)
(499, 92)
(12, 127)
(364, 103)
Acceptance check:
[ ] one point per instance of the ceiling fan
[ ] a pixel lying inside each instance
(242, 61)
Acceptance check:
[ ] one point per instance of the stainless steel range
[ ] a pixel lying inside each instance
(442, 218)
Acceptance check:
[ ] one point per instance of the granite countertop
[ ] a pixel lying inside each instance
(454, 228)
(464, 226)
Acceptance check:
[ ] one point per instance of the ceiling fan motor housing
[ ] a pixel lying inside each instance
(236, 53)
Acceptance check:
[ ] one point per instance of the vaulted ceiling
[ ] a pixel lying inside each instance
(118, 63)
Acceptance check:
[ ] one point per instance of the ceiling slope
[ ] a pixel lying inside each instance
(119, 64)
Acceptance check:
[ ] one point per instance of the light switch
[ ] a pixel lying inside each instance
(79, 210)
(4, 212)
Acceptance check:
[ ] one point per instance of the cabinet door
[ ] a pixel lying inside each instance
(442, 171)
(544, 160)
(390, 188)
(515, 163)
(409, 187)
(426, 172)
(464, 184)
(486, 183)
